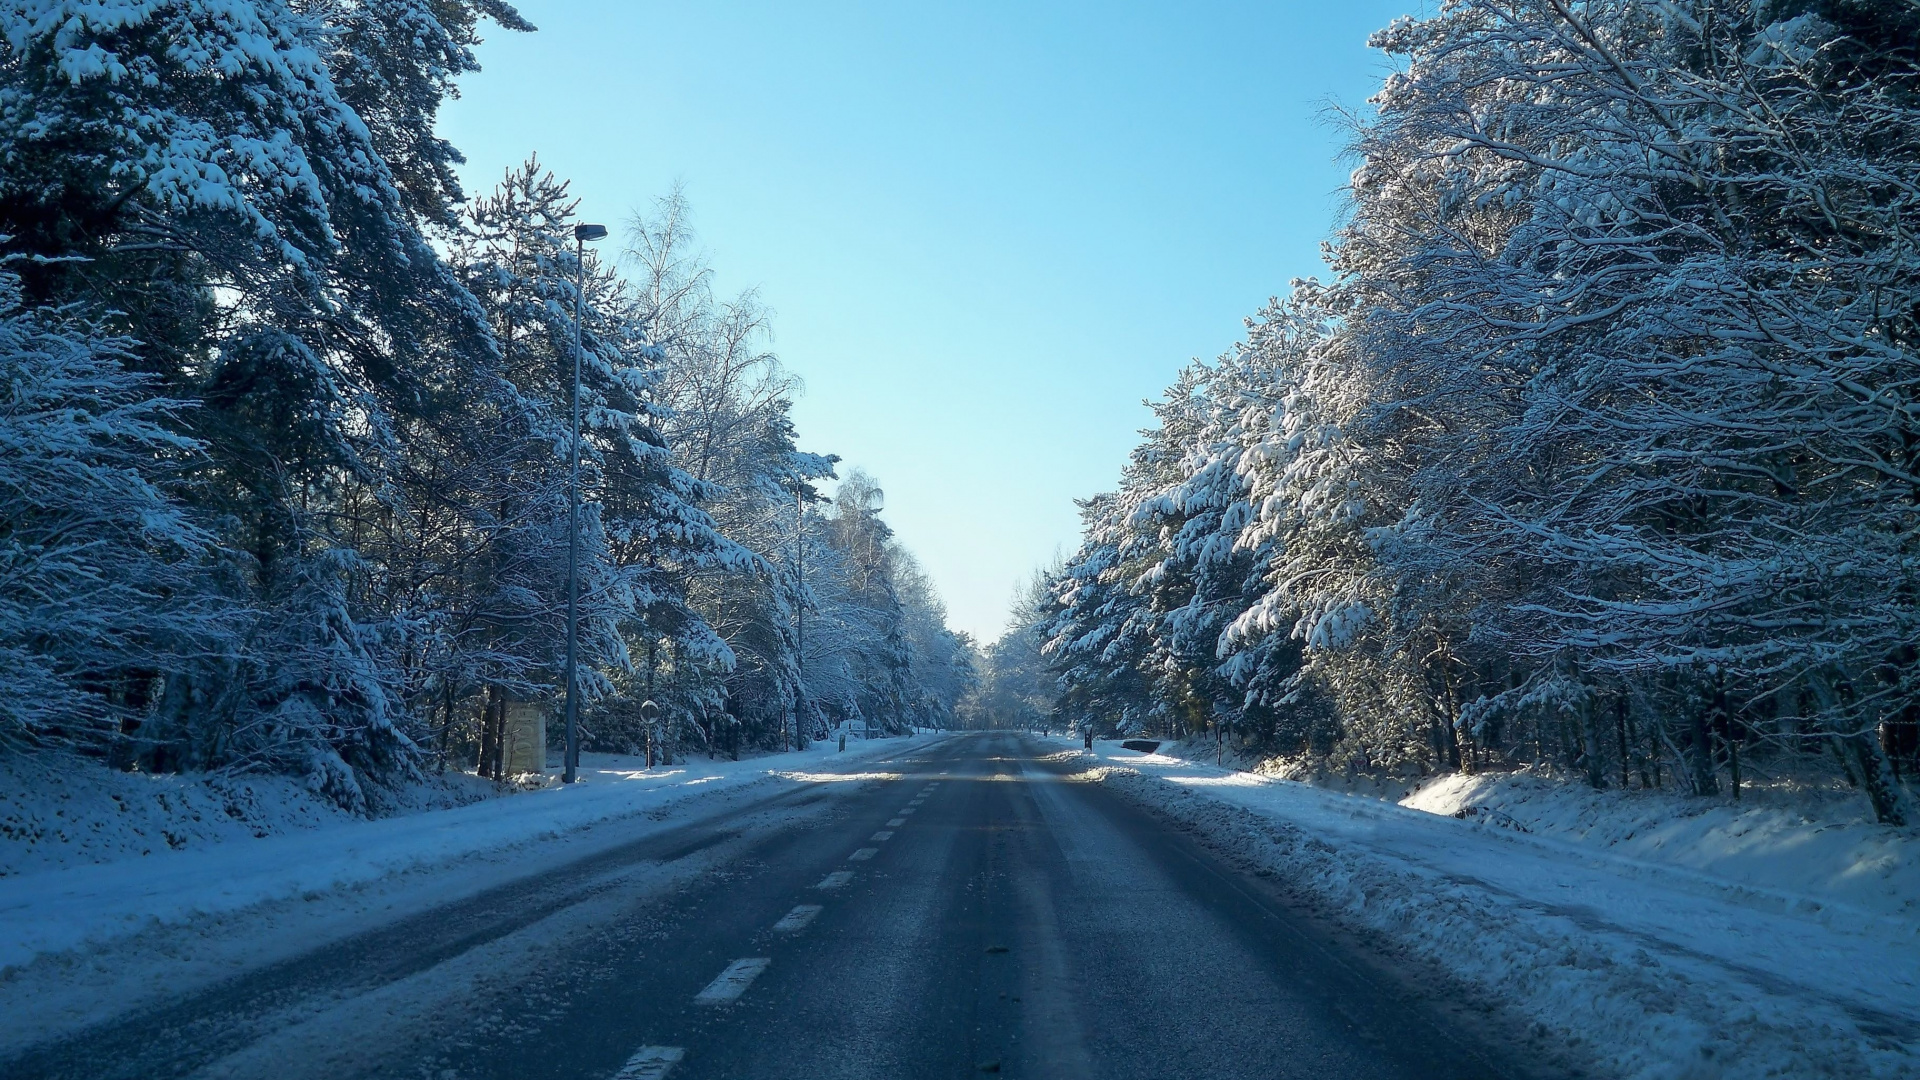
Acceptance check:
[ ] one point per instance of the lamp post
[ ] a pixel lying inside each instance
(581, 234)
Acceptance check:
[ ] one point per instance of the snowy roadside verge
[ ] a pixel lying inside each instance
(58, 811)
(84, 907)
(1818, 854)
(1646, 970)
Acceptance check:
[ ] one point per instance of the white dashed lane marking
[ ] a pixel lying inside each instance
(896, 823)
(863, 854)
(904, 811)
(835, 879)
(650, 1063)
(797, 919)
(731, 983)
(883, 834)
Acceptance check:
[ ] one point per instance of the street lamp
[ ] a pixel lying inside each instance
(581, 234)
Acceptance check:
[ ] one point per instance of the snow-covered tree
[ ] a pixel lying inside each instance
(1594, 452)
(1018, 687)
(943, 665)
(103, 575)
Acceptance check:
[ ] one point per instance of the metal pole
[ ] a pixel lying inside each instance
(573, 527)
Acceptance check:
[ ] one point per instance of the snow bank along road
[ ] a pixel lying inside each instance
(964, 910)
(1644, 969)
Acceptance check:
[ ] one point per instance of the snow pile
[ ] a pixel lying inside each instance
(58, 811)
(57, 910)
(1819, 843)
(1649, 970)
(1777, 847)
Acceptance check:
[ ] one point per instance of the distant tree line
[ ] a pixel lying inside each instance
(1598, 449)
(285, 420)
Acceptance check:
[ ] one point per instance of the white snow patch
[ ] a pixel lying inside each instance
(57, 810)
(1779, 848)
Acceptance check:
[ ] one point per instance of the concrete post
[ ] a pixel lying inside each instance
(526, 738)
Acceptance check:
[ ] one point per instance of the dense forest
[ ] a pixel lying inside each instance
(1596, 450)
(287, 419)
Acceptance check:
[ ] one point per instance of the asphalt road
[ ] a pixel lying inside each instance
(976, 914)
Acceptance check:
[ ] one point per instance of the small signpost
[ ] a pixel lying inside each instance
(650, 716)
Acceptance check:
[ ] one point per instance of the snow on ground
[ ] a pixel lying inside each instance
(1836, 857)
(226, 869)
(58, 811)
(1664, 951)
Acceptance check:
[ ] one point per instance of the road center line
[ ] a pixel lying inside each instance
(796, 920)
(863, 854)
(650, 1063)
(883, 834)
(896, 823)
(904, 811)
(731, 983)
(835, 879)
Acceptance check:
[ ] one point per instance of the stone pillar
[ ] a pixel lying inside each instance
(526, 749)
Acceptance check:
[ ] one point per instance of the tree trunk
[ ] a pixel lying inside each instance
(485, 765)
(1876, 778)
(1699, 751)
(1620, 729)
(1633, 738)
(446, 725)
(493, 744)
(1450, 720)
(1591, 759)
(1733, 764)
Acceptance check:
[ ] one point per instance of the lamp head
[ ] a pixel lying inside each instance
(588, 233)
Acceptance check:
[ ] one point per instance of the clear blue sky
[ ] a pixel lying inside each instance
(987, 230)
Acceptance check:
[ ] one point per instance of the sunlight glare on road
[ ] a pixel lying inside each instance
(834, 778)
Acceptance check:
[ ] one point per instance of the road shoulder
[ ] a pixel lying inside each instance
(83, 955)
(1635, 974)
